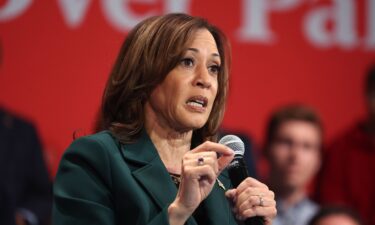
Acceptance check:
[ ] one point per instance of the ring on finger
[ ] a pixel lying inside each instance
(261, 200)
(200, 161)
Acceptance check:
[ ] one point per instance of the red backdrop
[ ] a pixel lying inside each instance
(57, 56)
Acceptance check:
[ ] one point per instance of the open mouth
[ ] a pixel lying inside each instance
(197, 101)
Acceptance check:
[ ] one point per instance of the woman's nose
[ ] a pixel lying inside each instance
(203, 78)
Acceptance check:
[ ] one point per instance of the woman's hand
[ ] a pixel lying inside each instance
(253, 198)
(200, 168)
(20, 219)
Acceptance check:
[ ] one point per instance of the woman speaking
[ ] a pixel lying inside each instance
(157, 162)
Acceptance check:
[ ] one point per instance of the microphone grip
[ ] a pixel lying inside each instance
(237, 170)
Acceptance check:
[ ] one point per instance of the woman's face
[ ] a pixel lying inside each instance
(183, 101)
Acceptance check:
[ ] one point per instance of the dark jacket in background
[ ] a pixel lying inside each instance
(24, 181)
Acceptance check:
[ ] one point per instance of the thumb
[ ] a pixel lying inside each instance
(232, 197)
(224, 160)
(231, 194)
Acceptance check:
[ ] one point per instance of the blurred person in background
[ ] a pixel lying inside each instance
(347, 175)
(25, 187)
(336, 215)
(293, 150)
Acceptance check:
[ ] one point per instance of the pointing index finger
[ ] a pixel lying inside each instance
(215, 147)
(225, 154)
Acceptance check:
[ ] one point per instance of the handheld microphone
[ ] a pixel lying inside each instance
(237, 169)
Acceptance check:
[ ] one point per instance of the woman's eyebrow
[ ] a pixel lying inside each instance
(197, 51)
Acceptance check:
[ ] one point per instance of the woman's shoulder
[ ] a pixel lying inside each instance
(85, 176)
(100, 140)
(97, 148)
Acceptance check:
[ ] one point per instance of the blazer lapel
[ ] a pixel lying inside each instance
(148, 169)
(157, 182)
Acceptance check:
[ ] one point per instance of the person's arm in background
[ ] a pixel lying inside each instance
(331, 180)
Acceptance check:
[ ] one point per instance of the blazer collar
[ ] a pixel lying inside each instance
(142, 151)
(148, 169)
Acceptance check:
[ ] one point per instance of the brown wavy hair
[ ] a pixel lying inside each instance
(151, 50)
(291, 112)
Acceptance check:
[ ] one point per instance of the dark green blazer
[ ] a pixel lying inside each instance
(101, 181)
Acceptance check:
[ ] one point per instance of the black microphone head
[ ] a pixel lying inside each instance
(233, 142)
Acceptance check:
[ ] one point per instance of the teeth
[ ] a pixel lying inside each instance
(198, 104)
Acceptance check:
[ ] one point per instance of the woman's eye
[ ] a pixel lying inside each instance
(187, 62)
(215, 69)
